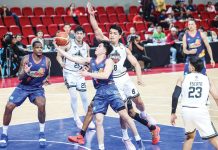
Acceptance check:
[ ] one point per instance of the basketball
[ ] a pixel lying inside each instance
(62, 39)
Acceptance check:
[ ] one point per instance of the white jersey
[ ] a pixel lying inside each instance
(75, 49)
(195, 90)
(118, 55)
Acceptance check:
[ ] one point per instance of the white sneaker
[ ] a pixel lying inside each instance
(79, 124)
(91, 126)
(128, 144)
(150, 119)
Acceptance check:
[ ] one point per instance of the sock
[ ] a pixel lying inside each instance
(83, 96)
(83, 133)
(42, 127)
(125, 134)
(101, 146)
(143, 114)
(144, 122)
(137, 138)
(74, 105)
(5, 130)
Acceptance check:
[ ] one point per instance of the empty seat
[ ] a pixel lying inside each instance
(103, 18)
(140, 27)
(15, 29)
(35, 20)
(46, 20)
(200, 7)
(68, 19)
(122, 25)
(3, 31)
(38, 11)
(100, 10)
(60, 11)
(81, 9)
(24, 20)
(1, 22)
(9, 20)
(129, 25)
(49, 11)
(107, 26)
(130, 17)
(58, 20)
(41, 28)
(113, 18)
(16, 10)
(52, 29)
(83, 19)
(27, 30)
(87, 27)
(110, 10)
(179, 25)
(25, 41)
(27, 11)
(102, 27)
(133, 10)
(119, 10)
(205, 24)
(122, 18)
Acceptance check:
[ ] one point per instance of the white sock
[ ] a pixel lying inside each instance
(42, 127)
(84, 99)
(5, 130)
(125, 134)
(74, 104)
(101, 146)
(137, 138)
(143, 114)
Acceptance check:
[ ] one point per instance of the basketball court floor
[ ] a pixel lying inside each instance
(156, 93)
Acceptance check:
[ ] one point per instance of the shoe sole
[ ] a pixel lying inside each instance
(158, 139)
(81, 143)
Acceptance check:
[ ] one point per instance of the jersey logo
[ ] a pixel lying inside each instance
(37, 74)
(115, 56)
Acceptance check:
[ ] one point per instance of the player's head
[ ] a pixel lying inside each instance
(79, 33)
(196, 64)
(115, 34)
(67, 28)
(192, 25)
(37, 48)
(104, 47)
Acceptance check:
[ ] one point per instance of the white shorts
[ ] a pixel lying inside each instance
(73, 79)
(198, 118)
(126, 87)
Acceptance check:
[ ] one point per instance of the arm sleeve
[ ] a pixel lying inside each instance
(175, 97)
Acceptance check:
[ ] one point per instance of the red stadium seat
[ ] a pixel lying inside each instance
(113, 18)
(102, 27)
(3, 31)
(15, 29)
(30, 37)
(58, 20)
(179, 25)
(200, 7)
(205, 25)
(49, 11)
(119, 10)
(212, 15)
(140, 27)
(35, 20)
(108, 25)
(83, 19)
(38, 11)
(1, 22)
(122, 25)
(100, 10)
(27, 30)
(25, 41)
(103, 18)
(52, 29)
(69, 19)
(87, 27)
(9, 20)
(46, 20)
(133, 10)
(91, 38)
(60, 11)
(27, 11)
(110, 10)
(129, 25)
(24, 20)
(130, 17)
(204, 15)
(122, 18)
(16, 10)
(43, 29)
(81, 9)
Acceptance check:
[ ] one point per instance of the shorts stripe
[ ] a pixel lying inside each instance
(81, 90)
(190, 132)
(211, 136)
(132, 97)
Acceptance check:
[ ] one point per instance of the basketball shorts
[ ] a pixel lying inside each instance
(19, 95)
(105, 96)
(73, 79)
(186, 67)
(198, 119)
(126, 87)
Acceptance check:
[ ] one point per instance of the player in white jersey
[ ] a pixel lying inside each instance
(195, 89)
(73, 80)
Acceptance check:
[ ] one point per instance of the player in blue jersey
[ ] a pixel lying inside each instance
(194, 44)
(106, 90)
(33, 74)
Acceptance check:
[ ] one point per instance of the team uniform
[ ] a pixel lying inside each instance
(70, 72)
(195, 42)
(195, 92)
(106, 91)
(122, 80)
(31, 85)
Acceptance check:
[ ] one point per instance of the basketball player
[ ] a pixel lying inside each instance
(194, 44)
(106, 90)
(194, 89)
(67, 29)
(33, 74)
(124, 84)
(73, 80)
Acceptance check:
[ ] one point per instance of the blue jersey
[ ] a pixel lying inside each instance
(196, 42)
(100, 68)
(38, 73)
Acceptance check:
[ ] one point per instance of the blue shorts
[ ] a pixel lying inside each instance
(19, 95)
(107, 95)
(186, 68)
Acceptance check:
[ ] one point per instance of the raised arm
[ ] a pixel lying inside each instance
(98, 33)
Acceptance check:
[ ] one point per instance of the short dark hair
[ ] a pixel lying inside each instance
(107, 46)
(67, 24)
(35, 42)
(116, 27)
(197, 63)
(79, 28)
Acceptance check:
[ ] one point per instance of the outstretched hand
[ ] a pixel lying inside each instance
(91, 10)
(27, 67)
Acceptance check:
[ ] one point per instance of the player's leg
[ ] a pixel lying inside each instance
(186, 67)
(189, 140)
(16, 99)
(99, 117)
(214, 142)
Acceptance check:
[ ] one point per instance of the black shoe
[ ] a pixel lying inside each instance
(4, 141)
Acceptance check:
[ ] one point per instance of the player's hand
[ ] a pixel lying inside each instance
(140, 82)
(84, 73)
(62, 65)
(193, 51)
(173, 119)
(27, 67)
(46, 82)
(91, 11)
(212, 63)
